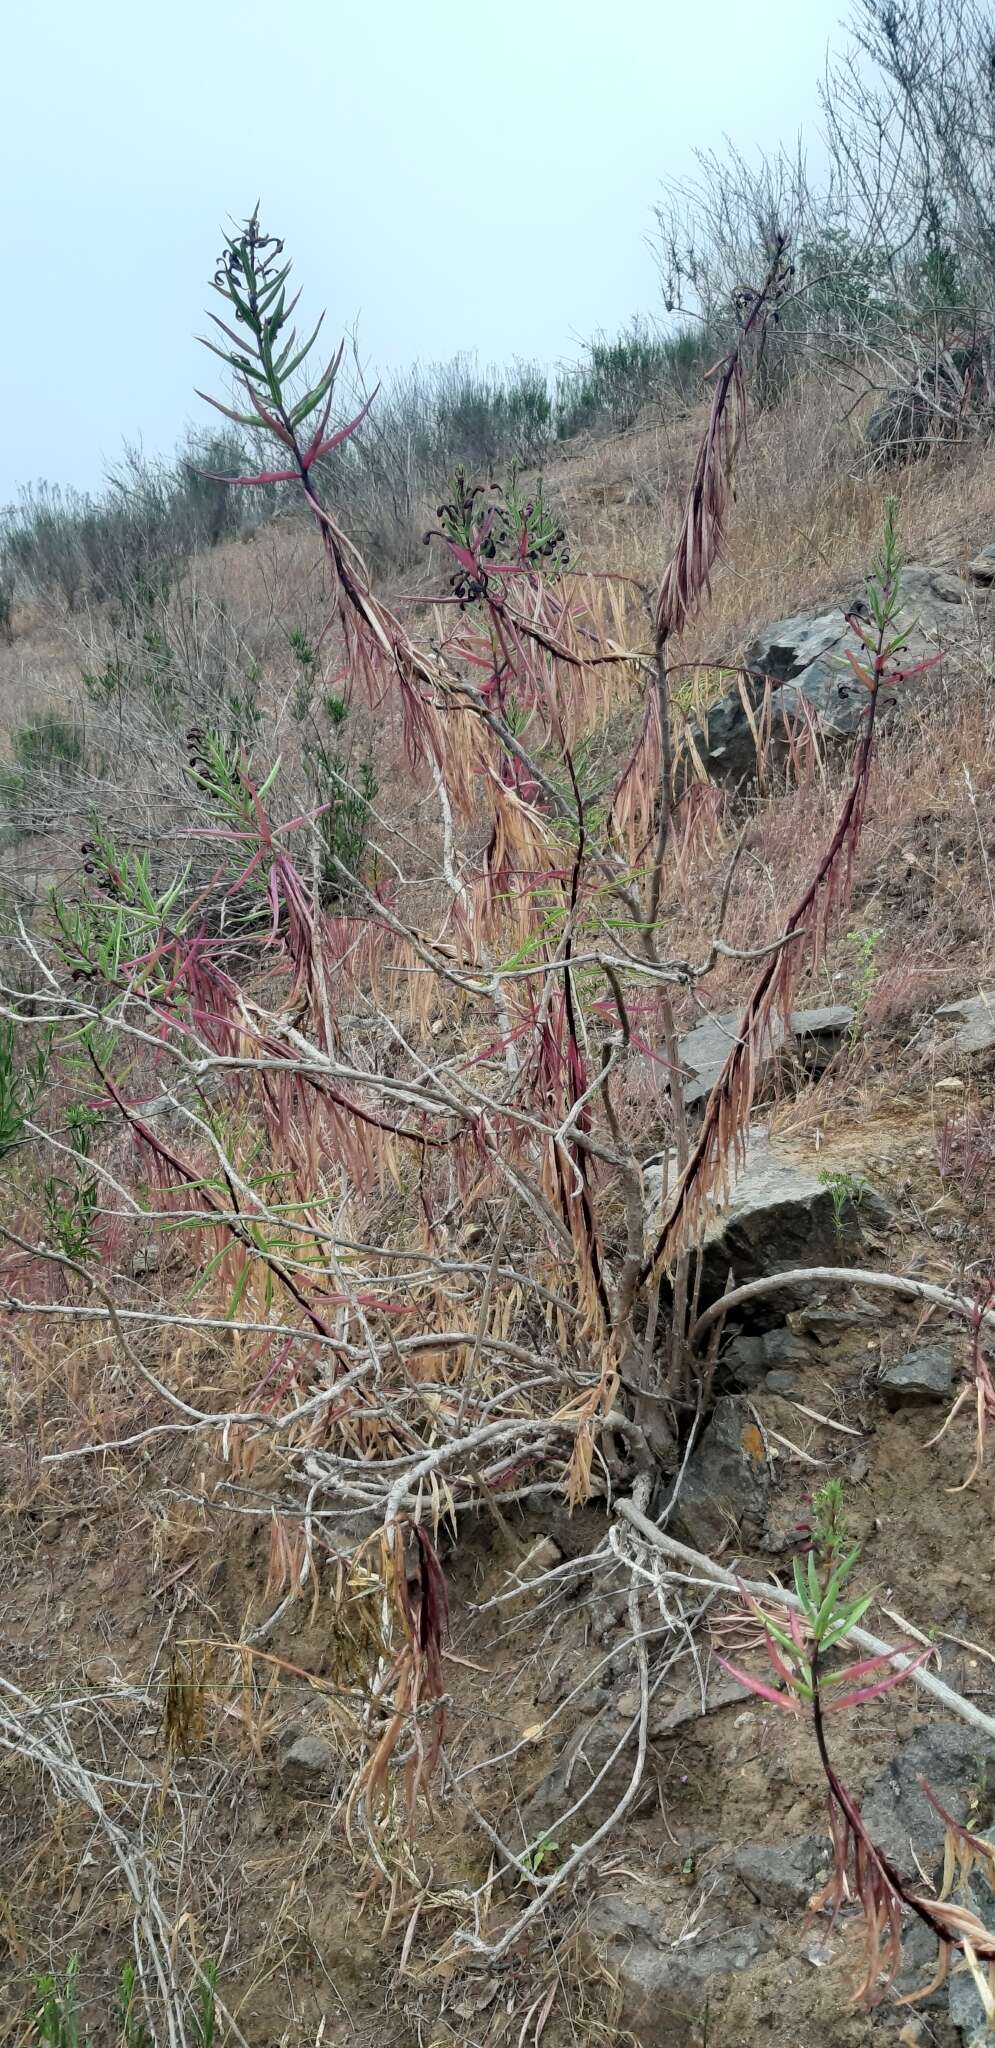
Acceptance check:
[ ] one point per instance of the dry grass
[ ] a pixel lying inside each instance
(808, 511)
(126, 1565)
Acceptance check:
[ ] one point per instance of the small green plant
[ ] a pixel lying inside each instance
(57, 2012)
(57, 2016)
(16, 815)
(103, 685)
(342, 790)
(71, 1197)
(306, 659)
(205, 2007)
(49, 743)
(490, 531)
(20, 1085)
(134, 2032)
(545, 1854)
(844, 1189)
(808, 1681)
(155, 670)
(242, 715)
(866, 975)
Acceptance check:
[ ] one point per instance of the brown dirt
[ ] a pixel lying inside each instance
(116, 1568)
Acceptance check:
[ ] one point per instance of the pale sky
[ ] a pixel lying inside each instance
(457, 177)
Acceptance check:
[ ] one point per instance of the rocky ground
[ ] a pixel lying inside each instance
(873, 1147)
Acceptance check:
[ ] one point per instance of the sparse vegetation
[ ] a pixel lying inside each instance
(846, 1190)
(824, 1616)
(359, 1253)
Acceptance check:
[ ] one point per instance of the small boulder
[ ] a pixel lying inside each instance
(951, 1757)
(815, 1035)
(929, 594)
(982, 569)
(900, 427)
(804, 661)
(783, 1383)
(973, 1021)
(783, 1874)
(925, 1374)
(667, 1987)
(309, 1767)
(780, 1213)
(782, 651)
(751, 1361)
(726, 1487)
(830, 1325)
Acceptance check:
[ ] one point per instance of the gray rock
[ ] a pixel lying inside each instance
(791, 645)
(726, 1488)
(748, 1361)
(815, 1034)
(783, 1383)
(929, 594)
(783, 1875)
(594, 1738)
(665, 1989)
(966, 2011)
(830, 1325)
(830, 1022)
(686, 1708)
(744, 1361)
(899, 1818)
(982, 569)
(785, 1347)
(703, 1053)
(779, 1214)
(925, 1374)
(973, 1021)
(804, 659)
(309, 1767)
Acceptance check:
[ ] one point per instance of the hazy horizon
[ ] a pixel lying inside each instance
(450, 186)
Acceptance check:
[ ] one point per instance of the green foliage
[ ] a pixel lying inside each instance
(344, 787)
(20, 1084)
(216, 766)
(205, 2007)
(481, 418)
(502, 524)
(17, 818)
(119, 915)
(75, 548)
(545, 1854)
(71, 1197)
(848, 283)
(57, 2013)
(306, 659)
(48, 746)
(845, 1189)
(864, 947)
(267, 355)
(828, 1613)
(618, 377)
(103, 685)
(49, 743)
(134, 2032)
